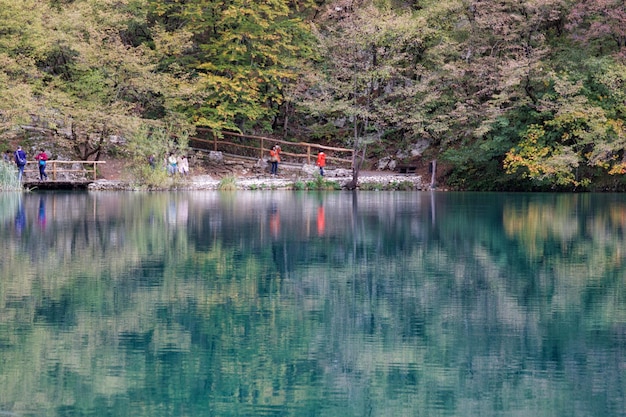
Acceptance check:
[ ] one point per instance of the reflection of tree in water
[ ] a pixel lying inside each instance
(8, 206)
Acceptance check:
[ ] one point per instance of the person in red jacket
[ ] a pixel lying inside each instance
(321, 161)
(42, 158)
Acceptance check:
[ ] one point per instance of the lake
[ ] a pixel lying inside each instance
(282, 303)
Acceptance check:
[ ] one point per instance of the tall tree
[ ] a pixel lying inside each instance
(243, 55)
(502, 57)
(374, 74)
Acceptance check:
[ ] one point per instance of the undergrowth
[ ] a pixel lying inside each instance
(228, 183)
(8, 178)
(319, 183)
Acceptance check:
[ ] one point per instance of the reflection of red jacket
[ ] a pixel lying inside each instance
(275, 224)
(321, 221)
(321, 160)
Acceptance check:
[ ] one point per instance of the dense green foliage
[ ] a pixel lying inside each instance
(512, 95)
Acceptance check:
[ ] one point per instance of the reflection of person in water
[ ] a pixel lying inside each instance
(20, 218)
(274, 222)
(42, 213)
(321, 221)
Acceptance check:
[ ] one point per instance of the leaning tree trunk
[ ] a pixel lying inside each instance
(86, 149)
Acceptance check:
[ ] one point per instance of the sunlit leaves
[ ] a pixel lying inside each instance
(575, 132)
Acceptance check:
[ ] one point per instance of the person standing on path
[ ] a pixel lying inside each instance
(321, 161)
(183, 166)
(172, 164)
(274, 159)
(42, 158)
(20, 161)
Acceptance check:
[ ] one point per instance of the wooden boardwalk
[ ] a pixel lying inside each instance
(57, 184)
(251, 146)
(62, 175)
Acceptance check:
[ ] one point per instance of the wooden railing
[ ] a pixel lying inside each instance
(259, 147)
(55, 170)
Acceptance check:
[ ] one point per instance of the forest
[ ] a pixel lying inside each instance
(505, 94)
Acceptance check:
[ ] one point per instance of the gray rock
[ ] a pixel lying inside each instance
(216, 156)
(417, 149)
(309, 169)
(383, 163)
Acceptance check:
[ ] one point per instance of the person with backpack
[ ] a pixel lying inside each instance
(41, 158)
(20, 161)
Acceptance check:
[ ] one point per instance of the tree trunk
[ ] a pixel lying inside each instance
(85, 149)
(356, 168)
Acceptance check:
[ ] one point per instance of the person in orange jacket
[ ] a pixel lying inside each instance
(274, 159)
(321, 161)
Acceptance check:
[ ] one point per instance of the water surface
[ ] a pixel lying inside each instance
(312, 304)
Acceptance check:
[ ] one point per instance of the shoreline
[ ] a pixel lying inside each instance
(367, 182)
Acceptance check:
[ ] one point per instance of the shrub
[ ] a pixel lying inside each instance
(158, 142)
(401, 186)
(320, 183)
(151, 178)
(371, 186)
(228, 183)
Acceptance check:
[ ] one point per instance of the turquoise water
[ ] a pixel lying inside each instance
(312, 304)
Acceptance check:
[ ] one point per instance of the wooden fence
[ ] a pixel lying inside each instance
(259, 147)
(75, 171)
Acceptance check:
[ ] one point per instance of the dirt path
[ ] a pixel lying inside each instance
(206, 176)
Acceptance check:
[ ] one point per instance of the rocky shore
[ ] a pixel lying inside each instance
(289, 178)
